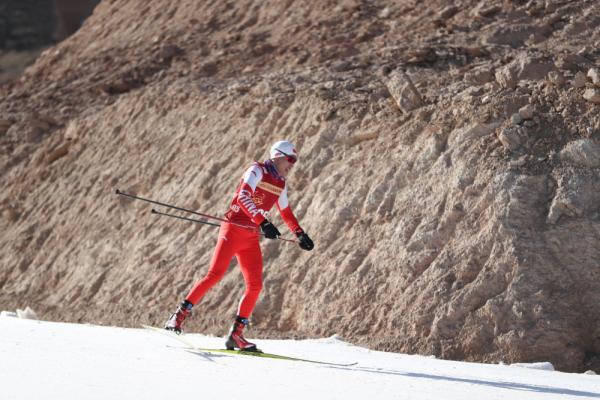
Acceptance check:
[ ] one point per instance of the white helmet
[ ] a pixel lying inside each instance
(283, 148)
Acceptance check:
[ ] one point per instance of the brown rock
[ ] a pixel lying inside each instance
(577, 195)
(404, 91)
(535, 38)
(510, 138)
(385, 13)
(516, 119)
(57, 153)
(39, 123)
(10, 214)
(580, 80)
(480, 76)
(526, 112)
(470, 133)
(484, 9)
(448, 12)
(417, 56)
(592, 95)
(507, 77)
(73, 131)
(571, 62)
(117, 86)
(557, 78)
(514, 36)
(582, 152)
(209, 68)
(475, 51)
(47, 120)
(594, 75)
(532, 68)
(168, 51)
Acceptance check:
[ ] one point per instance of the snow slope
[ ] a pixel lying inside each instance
(67, 361)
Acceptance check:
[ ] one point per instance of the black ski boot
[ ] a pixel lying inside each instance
(175, 323)
(236, 339)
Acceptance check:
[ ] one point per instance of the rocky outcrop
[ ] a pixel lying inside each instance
(449, 180)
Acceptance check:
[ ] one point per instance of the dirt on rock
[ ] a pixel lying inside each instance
(448, 172)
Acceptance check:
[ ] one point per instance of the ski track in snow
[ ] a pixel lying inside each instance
(52, 360)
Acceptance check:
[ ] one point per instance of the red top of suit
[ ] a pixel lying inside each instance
(261, 187)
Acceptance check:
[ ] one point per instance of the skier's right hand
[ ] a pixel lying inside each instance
(270, 231)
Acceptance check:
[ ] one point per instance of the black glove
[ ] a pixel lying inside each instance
(270, 231)
(305, 242)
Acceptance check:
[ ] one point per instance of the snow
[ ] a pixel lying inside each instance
(540, 365)
(72, 361)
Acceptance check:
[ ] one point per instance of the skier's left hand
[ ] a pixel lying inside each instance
(305, 242)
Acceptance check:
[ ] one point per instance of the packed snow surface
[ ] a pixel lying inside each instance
(48, 360)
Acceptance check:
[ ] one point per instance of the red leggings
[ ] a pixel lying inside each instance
(243, 244)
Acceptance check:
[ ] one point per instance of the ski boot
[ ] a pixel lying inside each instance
(175, 323)
(236, 339)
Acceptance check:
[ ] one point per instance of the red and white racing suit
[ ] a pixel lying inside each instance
(261, 187)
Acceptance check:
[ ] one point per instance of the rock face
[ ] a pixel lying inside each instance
(453, 214)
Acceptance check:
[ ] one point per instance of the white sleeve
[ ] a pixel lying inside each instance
(283, 202)
(253, 176)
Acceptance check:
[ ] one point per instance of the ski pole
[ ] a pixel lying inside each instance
(184, 209)
(153, 211)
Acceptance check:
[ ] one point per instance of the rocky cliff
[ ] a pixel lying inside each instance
(448, 173)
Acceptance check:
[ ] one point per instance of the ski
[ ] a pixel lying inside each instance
(274, 356)
(189, 345)
(261, 354)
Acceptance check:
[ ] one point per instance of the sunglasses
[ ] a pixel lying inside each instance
(289, 158)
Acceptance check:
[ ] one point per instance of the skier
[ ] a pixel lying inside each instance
(262, 186)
